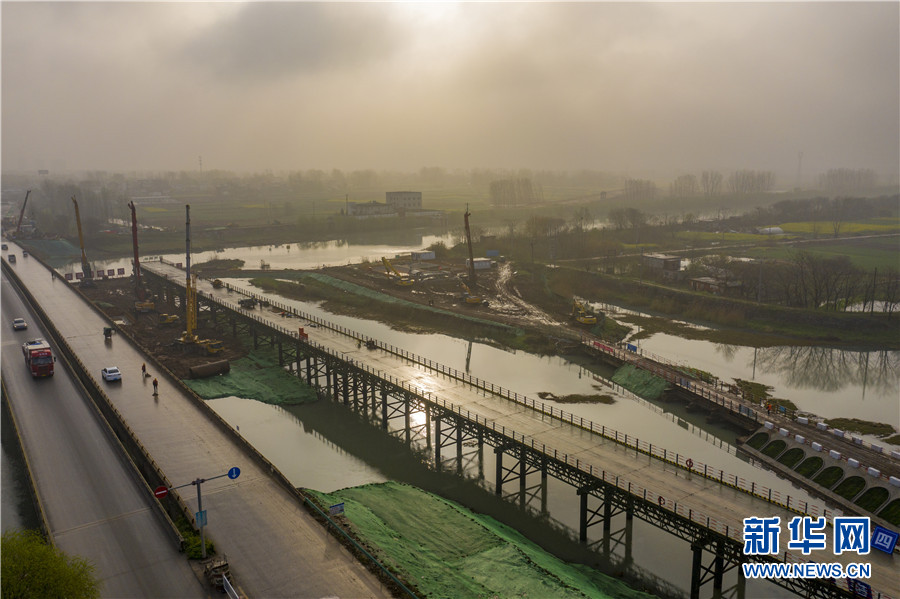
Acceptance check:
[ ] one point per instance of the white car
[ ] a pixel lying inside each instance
(111, 373)
(19, 324)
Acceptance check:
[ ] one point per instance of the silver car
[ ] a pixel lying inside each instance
(19, 324)
(111, 373)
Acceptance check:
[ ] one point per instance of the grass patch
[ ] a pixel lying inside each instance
(192, 546)
(756, 392)
(259, 377)
(640, 382)
(850, 487)
(774, 448)
(865, 427)
(444, 550)
(810, 466)
(758, 440)
(894, 440)
(578, 398)
(791, 457)
(891, 512)
(829, 476)
(873, 499)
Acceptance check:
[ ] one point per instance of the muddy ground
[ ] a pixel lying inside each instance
(116, 298)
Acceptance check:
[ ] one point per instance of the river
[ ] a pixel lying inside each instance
(316, 447)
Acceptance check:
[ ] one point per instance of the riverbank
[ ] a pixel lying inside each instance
(436, 546)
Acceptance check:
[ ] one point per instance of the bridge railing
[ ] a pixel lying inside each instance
(739, 406)
(685, 462)
(730, 529)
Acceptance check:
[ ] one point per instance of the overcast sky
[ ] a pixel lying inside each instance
(639, 88)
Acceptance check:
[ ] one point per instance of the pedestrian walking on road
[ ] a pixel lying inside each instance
(144, 369)
(155, 385)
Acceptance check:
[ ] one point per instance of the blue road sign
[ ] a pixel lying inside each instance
(336, 509)
(234, 473)
(201, 518)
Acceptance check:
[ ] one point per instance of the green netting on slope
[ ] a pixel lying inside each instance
(57, 252)
(447, 551)
(640, 382)
(383, 297)
(258, 377)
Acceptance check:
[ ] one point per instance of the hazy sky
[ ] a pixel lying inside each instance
(636, 87)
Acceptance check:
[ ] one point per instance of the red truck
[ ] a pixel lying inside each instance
(38, 357)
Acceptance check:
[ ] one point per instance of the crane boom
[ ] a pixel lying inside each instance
(22, 212)
(469, 243)
(85, 267)
(139, 289)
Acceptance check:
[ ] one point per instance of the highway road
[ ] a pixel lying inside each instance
(274, 547)
(95, 504)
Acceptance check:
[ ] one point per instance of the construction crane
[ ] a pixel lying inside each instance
(189, 336)
(142, 304)
(469, 243)
(87, 281)
(393, 273)
(22, 212)
(190, 297)
(580, 314)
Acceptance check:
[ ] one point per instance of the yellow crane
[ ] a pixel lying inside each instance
(87, 281)
(581, 315)
(393, 273)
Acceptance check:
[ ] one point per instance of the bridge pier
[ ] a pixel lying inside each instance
(715, 571)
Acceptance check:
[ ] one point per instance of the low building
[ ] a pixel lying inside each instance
(662, 262)
(404, 200)
(370, 210)
(714, 285)
(480, 263)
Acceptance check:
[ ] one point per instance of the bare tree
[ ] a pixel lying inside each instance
(711, 183)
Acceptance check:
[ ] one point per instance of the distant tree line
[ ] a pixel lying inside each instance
(847, 179)
(815, 282)
(512, 192)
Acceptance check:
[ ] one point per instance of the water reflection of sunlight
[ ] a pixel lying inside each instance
(417, 418)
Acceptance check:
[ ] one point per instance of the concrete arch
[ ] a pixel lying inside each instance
(775, 448)
(850, 487)
(830, 476)
(792, 457)
(873, 498)
(810, 466)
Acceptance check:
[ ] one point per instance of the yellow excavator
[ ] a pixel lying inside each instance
(469, 297)
(581, 315)
(393, 273)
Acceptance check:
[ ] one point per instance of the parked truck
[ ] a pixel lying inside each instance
(38, 357)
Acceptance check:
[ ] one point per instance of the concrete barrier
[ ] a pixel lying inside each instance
(799, 439)
(821, 426)
(816, 446)
(894, 481)
(874, 472)
(835, 454)
(802, 419)
(852, 463)
(783, 432)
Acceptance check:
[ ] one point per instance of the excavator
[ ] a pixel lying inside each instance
(581, 315)
(87, 281)
(393, 273)
(469, 297)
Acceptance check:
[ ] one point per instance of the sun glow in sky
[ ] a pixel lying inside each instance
(608, 86)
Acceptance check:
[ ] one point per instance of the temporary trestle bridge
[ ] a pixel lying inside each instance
(456, 438)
